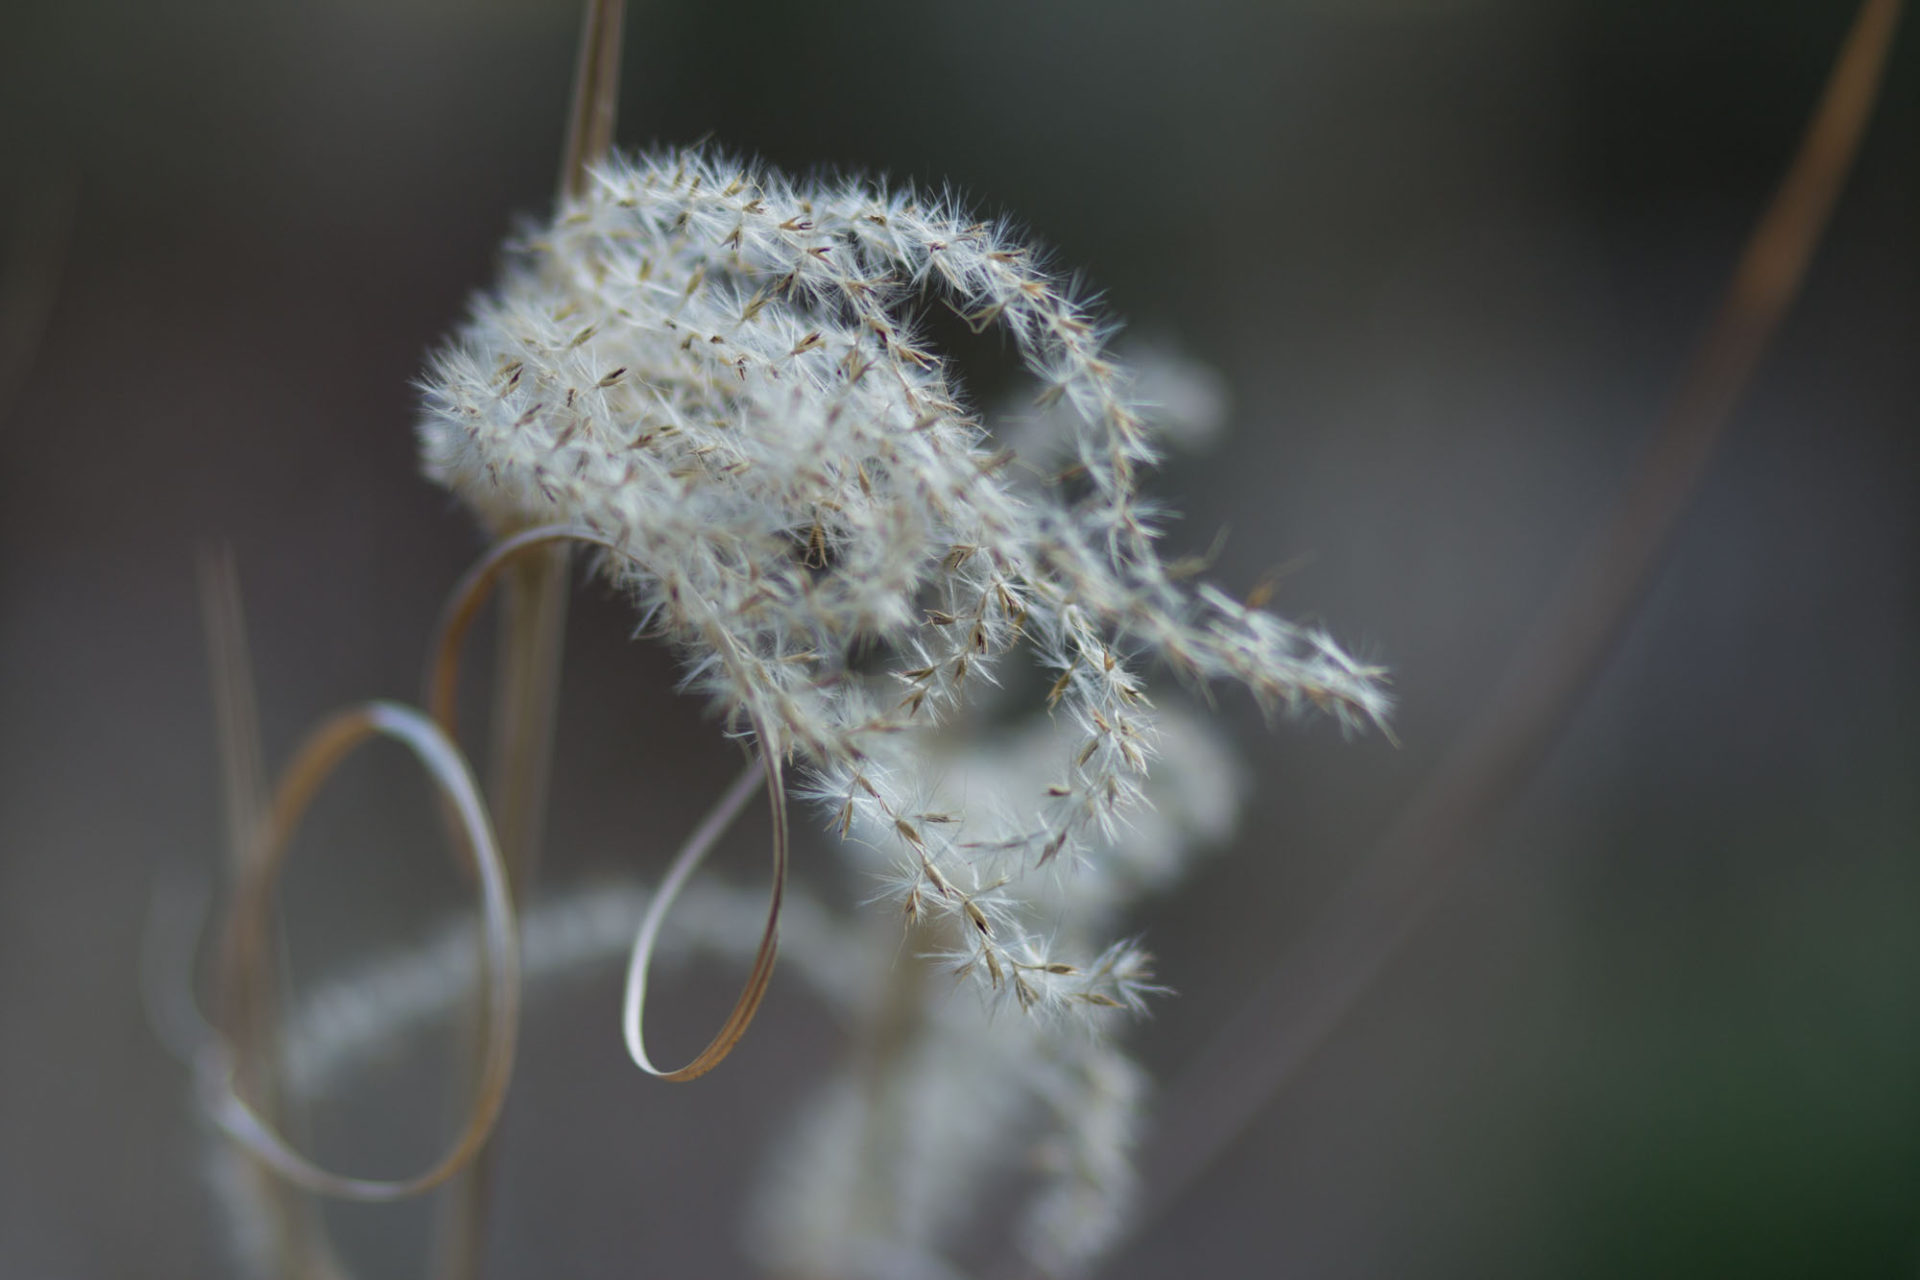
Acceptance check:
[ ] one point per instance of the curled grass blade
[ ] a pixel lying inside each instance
(469, 596)
(691, 854)
(233, 1086)
(464, 603)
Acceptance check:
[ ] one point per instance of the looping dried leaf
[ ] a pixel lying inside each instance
(767, 768)
(467, 598)
(244, 972)
(463, 606)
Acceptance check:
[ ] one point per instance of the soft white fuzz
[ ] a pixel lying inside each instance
(718, 369)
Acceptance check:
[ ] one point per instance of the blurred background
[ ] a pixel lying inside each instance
(1450, 256)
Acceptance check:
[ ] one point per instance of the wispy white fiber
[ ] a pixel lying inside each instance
(721, 373)
(719, 370)
(951, 1101)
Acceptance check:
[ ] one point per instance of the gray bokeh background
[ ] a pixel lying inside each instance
(1449, 256)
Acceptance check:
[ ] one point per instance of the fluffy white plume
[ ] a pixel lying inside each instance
(718, 370)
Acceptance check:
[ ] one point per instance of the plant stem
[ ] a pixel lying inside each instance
(1296, 1009)
(300, 1244)
(533, 625)
(596, 94)
(526, 699)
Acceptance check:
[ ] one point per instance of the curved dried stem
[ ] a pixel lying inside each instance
(245, 982)
(527, 672)
(443, 674)
(441, 686)
(469, 596)
(1324, 975)
(526, 696)
(463, 606)
(633, 1005)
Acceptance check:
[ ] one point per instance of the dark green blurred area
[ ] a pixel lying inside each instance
(1450, 257)
(1746, 1103)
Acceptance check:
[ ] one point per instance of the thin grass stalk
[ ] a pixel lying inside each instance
(525, 707)
(299, 1235)
(596, 94)
(533, 626)
(1297, 1008)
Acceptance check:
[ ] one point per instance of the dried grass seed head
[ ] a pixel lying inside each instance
(716, 369)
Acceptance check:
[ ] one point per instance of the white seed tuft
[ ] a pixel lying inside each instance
(718, 370)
